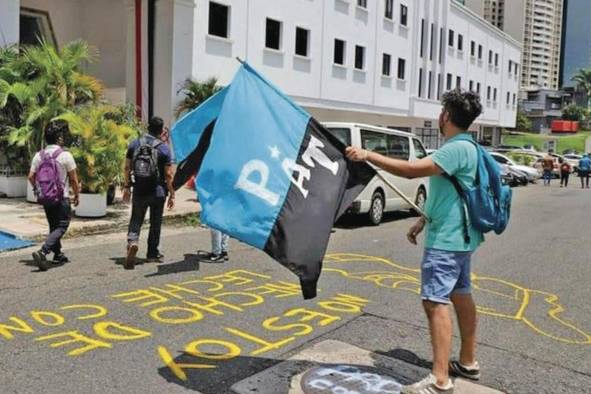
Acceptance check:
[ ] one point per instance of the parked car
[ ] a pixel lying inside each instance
(513, 177)
(532, 174)
(377, 197)
(506, 148)
(573, 160)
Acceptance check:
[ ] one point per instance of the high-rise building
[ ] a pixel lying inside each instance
(576, 47)
(537, 24)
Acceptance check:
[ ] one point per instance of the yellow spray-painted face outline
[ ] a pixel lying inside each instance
(397, 276)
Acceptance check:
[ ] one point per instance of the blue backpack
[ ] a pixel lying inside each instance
(488, 203)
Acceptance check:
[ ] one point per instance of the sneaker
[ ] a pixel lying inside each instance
(60, 258)
(216, 257)
(428, 386)
(225, 256)
(155, 259)
(457, 369)
(41, 260)
(129, 262)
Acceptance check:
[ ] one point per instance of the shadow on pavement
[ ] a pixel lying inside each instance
(408, 357)
(31, 263)
(189, 264)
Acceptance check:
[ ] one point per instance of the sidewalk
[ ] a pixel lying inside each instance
(26, 220)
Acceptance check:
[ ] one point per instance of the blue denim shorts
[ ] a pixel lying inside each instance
(444, 273)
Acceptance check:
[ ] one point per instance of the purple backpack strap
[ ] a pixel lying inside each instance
(57, 152)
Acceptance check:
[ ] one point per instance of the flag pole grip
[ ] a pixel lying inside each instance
(406, 199)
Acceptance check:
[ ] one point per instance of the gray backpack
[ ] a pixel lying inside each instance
(146, 174)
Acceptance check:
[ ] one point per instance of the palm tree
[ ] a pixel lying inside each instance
(583, 80)
(195, 93)
(43, 83)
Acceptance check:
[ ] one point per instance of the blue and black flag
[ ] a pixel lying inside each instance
(268, 173)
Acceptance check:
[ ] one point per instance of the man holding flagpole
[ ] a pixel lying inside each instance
(449, 244)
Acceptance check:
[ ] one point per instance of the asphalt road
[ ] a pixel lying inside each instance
(189, 326)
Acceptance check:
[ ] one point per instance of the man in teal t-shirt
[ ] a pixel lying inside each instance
(445, 269)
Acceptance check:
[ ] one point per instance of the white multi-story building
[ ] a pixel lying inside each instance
(537, 24)
(383, 62)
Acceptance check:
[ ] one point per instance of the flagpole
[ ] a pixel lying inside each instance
(406, 199)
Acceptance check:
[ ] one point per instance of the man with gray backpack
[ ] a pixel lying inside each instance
(148, 169)
(466, 199)
(51, 169)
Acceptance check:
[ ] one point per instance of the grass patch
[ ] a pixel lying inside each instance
(576, 142)
(192, 220)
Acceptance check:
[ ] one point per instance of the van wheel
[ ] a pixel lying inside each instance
(376, 209)
(421, 199)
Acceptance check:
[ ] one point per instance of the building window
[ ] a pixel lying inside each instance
(441, 32)
(510, 66)
(508, 98)
(448, 83)
(478, 87)
(490, 57)
(432, 42)
(420, 82)
(362, 3)
(339, 51)
(273, 34)
(218, 20)
(438, 86)
(514, 98)
(472, 48)
(460, 42)
(403, 15)
(495, 95)
(471, 85)
(302, 42)
(479, 52)
(488, 89)
(430, 85)
(450, 38)
(422, 36)
(389, 11)
(496, 60)
(359, 57)
(35, 25)
(386, 64)
(458, 82)
(401, 68)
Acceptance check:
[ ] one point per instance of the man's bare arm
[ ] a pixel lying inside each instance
(407, 169)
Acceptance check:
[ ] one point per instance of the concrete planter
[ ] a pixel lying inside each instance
(31, 197)
(92, 205)
(13, 185)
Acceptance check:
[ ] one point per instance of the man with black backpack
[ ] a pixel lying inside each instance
(51, 169)
(148, 170)
(450, 237)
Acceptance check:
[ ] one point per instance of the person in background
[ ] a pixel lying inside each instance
(565, 170)
(219, 246)
(548, 166)
(52, 169)
(585, 170)
(149, 162)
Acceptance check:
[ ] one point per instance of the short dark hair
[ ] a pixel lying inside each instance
(155, 126)
(463, 107)
(54, 130)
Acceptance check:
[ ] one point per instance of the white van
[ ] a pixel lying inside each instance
(377, 197)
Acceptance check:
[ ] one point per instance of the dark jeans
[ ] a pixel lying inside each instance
(547, 177)
(584, 174)
(58, 217)
(564, 178)
(140, 205)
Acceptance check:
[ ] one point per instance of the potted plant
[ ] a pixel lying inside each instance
(99, 149)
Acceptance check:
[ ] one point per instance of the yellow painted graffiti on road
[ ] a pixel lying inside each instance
(538, 310)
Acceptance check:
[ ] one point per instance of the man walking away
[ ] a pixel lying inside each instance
(51, 169)
(548, 166)
(564, 172)
(584, 170)
(148, 169)
(449, 241)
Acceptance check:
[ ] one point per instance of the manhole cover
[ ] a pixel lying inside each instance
(348, 379)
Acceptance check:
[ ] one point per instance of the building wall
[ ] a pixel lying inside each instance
(342, 91)
(9, 22)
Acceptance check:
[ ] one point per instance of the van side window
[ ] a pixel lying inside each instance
(398, 147)
(419, 149)
(375, 142)
(342, 134)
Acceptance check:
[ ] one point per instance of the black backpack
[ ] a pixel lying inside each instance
(146, 174)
